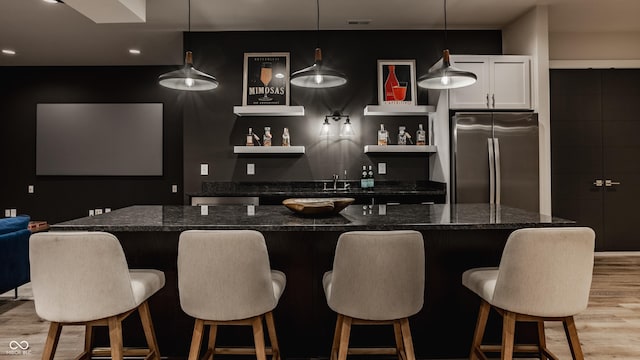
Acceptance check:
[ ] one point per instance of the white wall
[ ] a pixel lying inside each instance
(570, 50)
(529, 35)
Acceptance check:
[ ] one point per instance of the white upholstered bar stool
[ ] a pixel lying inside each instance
(377, 279)
(82, 278)
(544, 275)
(224, 278)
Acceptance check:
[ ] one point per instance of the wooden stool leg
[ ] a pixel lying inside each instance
(88, 342)
(213, 333)
(345, 332)
(258, 338)
(273, 338)
(196, 339)
(406, 337)
(481, 324)
(149, 332)
(336, 339)
(572, 337)
(52, 341)
(397, 331)
(115, 338)
(508, 332)
(542, 340)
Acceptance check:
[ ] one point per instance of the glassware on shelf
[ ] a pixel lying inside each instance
(383, 135)
(286, 139)
(266, 139)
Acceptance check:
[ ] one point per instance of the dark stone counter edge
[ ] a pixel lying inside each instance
(417, 227)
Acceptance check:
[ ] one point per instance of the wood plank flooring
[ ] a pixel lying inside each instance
(608, 329)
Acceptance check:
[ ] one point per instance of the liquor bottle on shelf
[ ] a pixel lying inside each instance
(364, 179)
(266, 140)
(390, 83)
(421, 137)
(383, 135)
(371, 183)
(402, 136)
(250, 138)
(286, 139)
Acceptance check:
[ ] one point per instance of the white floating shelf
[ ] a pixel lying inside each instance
(426, 149)
(268, 149)
(268, 110)
(408, 110)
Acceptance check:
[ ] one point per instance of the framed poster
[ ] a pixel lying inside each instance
(265, 79)
(397, 82)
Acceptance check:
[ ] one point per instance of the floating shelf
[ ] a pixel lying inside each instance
(390, 110)
(426, 149)
(268, 110)
(268, 149)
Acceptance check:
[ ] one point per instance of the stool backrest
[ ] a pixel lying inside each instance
(546, 271)
(224, 275)
(378, 275)
(79, 276)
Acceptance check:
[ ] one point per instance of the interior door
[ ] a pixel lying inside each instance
(576, 148)
(621, 145)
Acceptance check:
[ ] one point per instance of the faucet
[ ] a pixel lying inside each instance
(335, 181)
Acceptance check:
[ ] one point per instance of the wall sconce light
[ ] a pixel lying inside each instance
(346, 130)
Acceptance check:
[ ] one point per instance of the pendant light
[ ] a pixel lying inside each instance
(188, 78)
(317, 75)
(446, 76)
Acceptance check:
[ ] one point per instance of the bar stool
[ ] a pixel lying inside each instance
(544, 275)
(82, 278)
(224, 278)
(377, 279)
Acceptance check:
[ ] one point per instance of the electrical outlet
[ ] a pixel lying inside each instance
(251, 169)
(14, 213)
(382, 168)
(91, 212)
(98, 212)
(204, 209)
(31, 189)
(7, 212)
(251, 210)
(107, 210)
(174, 188)
(204, 169)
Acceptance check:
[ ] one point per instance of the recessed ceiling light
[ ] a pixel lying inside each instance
(134, 51)
(8, 52)
(52, 1)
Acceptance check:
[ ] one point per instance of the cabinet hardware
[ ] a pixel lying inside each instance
(488, 100)
(598, 183)
(609, 183)
(493, 101)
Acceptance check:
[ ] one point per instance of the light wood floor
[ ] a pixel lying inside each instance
(608, 329)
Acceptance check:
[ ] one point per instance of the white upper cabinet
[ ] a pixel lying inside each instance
(504, 82)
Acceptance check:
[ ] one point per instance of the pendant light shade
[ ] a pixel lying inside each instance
(447, 76)
(188, 78)
(318, 75)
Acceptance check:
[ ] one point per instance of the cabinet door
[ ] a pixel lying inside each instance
(510, 83)
(476, 95)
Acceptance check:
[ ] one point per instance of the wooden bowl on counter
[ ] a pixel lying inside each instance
(317, 206)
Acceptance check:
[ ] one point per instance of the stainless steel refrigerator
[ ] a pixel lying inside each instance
(495, 159)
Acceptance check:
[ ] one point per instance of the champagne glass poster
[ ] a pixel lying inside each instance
(396, 82)
(265, 79)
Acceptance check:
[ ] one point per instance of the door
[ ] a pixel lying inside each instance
(516, 148)
(510, 85)
(594, 138)
(471, 133)
(474, 96)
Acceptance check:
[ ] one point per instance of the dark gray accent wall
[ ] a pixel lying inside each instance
(211, 129)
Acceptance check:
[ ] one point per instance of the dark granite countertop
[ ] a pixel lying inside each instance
(279, 218)
(319, 188)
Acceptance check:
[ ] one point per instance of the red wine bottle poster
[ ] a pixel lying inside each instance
(396, 82)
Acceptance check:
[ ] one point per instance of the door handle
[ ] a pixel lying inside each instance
(598, 183)
(492, 174)
(610, 183)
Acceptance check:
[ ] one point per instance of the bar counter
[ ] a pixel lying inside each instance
(457, 237)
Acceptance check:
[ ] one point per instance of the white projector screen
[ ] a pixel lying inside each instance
(99, 139)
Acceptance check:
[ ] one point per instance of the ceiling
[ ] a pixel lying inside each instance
(57, 34)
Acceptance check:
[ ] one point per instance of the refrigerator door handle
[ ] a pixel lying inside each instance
(498, 175)
(492, 178)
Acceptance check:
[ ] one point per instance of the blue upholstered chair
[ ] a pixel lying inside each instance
(14, 252)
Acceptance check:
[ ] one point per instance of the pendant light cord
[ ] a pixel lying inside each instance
(445, 24)
(317, 23)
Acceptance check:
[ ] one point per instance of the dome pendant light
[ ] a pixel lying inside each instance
(446, 76)
(188, 78)
(317, 75)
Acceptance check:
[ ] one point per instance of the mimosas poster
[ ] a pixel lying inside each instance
(266, 79)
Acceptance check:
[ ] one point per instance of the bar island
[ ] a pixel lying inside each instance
(457, 237)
